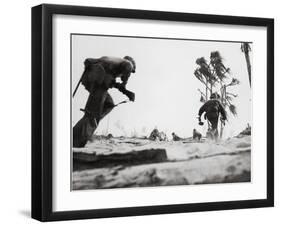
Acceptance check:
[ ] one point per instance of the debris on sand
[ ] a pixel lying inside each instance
(109, 136)
(101, 137)
(156, 135)
(176, 137)
(196, 135)
(245, 132)
(82, 160)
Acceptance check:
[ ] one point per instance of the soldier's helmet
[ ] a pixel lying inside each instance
(215, 96)
(132, 62)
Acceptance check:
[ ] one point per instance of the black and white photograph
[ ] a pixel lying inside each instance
(141, 111)
(153, 111)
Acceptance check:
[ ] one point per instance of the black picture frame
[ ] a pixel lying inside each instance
(42, 111)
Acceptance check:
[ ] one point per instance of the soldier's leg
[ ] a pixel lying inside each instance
(95, 104)
(215, 128)
(81, 132)
(213, 119)
(85, 127)
(108, 105)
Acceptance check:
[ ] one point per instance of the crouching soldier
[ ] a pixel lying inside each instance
(100, 75)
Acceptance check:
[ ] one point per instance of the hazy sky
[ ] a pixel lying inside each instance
(164, 84)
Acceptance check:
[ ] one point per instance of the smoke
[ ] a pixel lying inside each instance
(119, 126)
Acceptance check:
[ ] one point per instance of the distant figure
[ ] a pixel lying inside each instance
(196, 135)
(157, 135)
(109, 136)
(100, 75)
(163, 136)
(176, 137)
(213, 109)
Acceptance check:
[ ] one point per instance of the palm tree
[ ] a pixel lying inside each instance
(204, 75)
(245, 48)
(220, 70)
(215, 75)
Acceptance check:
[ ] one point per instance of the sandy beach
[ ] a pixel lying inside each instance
(160, 163)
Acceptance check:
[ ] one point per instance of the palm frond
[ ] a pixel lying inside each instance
(202, 99)
(198, 75)
(203, 67)
(232, 109)
(201, 61)
(232, 94)
(216, 57)
(227, 70)
(234, 82)
(220, 72)
(229, 98)
(216, 61)
(205, 71)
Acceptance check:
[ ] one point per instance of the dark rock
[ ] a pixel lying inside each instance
(83, 161)
(245, 132)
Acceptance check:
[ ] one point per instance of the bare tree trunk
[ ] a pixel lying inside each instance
(209, 125)
(206, 87)
(246, 48)
(223, 96)
(248, 65)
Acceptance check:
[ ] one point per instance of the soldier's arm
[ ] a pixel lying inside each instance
(202, 110)
(122, 88)
(125, 78)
